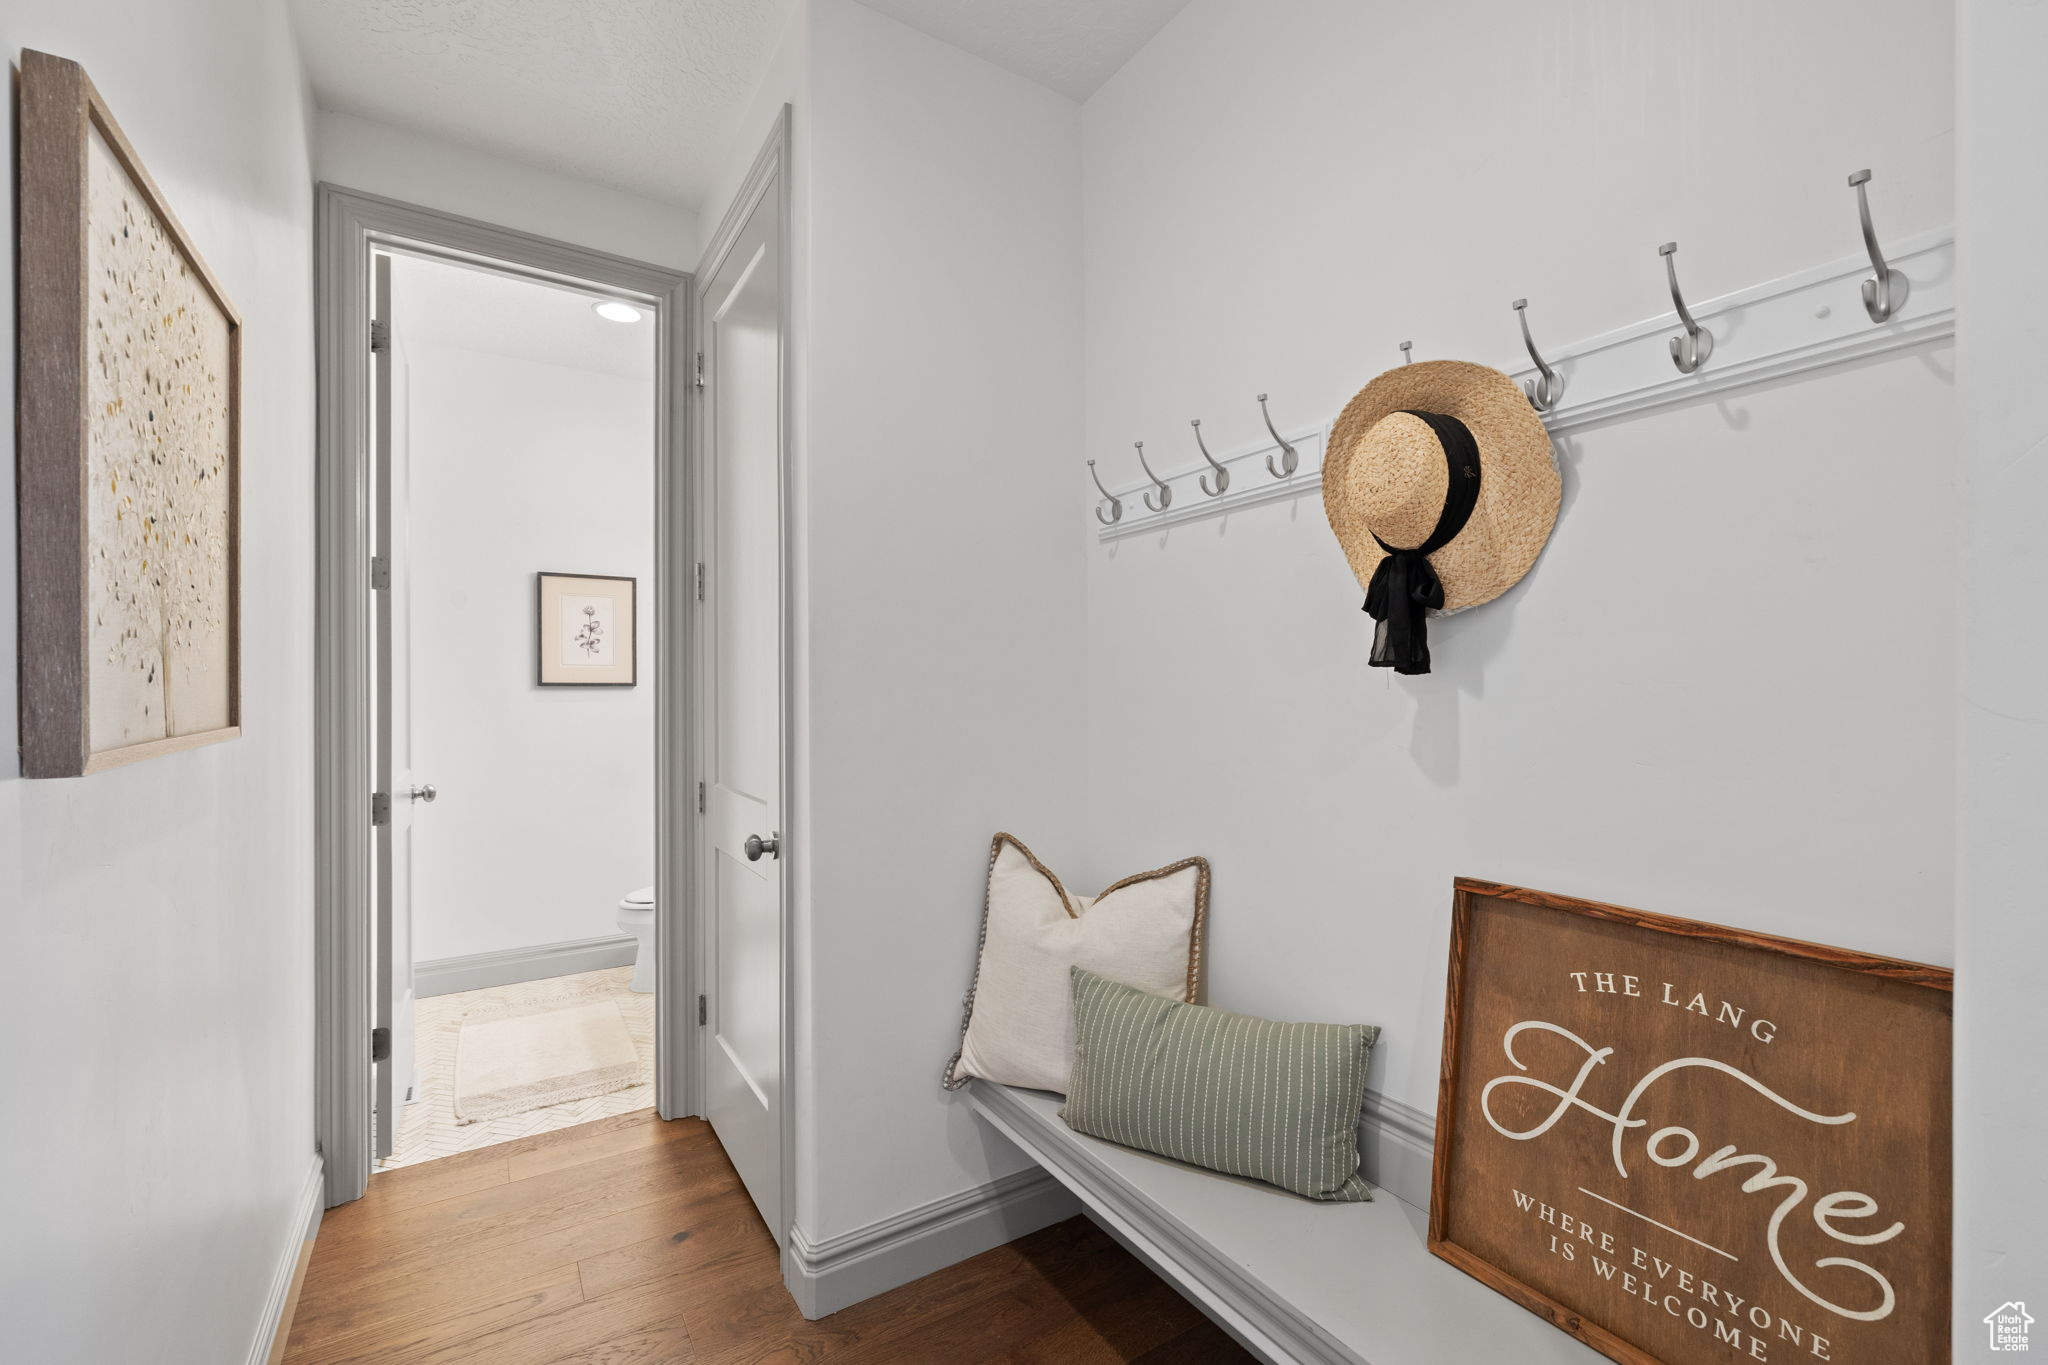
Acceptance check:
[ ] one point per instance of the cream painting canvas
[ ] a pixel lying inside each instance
(129, 455)
(159, 480)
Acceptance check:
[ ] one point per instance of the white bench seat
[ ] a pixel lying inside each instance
(1293, 1279)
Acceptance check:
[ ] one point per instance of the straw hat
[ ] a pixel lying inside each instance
(1416, 448)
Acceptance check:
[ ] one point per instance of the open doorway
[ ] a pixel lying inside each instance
(515, 471)
(715, 663)
(413, 901)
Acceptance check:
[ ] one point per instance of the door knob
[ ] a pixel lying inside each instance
(756, 846)
(426, 793)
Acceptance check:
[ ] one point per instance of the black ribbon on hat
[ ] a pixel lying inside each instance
(1405, 585)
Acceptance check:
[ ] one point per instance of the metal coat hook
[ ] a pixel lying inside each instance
(1690, 351)
(1288, 459)
(1884, 293)
(1222, 474)
(1406, 358)
(1544, 391)
(1165, 490)
(1116, 506)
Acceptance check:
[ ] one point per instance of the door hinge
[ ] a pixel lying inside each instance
(380, 573)
(703, 1011)
(380, 1044)
(700, 369)
(700, 580)
(380, 336)
(380, 808)
(700, 798)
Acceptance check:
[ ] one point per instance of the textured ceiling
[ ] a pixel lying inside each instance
(643, 95)
(434, 303)
(646, 95)
(1071, 46)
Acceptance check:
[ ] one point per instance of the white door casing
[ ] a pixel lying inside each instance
(743, 952)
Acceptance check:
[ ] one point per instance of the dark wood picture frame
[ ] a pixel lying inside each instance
(540, 629)
(1915, 993)
(59, 112)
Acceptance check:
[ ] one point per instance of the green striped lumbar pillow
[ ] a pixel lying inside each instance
(1276, 1102)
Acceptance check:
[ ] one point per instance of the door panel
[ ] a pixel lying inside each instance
(741, 637)
(744, 569)
(747, 1029)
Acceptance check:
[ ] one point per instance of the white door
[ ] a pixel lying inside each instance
(391, 700)
(385, 1064)
(741, 638)
(406, 791)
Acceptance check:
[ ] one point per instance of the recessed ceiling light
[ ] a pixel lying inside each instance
(611, 310)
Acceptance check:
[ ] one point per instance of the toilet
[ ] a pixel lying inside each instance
(636, 917)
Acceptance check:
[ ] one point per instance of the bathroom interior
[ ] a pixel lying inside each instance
(521, 706)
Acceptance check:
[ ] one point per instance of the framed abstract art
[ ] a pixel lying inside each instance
(585, 631)
(130, 455)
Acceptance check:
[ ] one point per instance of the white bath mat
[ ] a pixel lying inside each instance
(530, 1061)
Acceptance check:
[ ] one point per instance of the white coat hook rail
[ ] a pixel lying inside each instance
(1116, 506)
(1791, 326)
(1222, 482)
(1548, 387)
(1288, 458)
(1690, 351)
(1884, 293)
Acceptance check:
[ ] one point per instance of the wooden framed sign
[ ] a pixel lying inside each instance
(1691, 1145)
(129, 466)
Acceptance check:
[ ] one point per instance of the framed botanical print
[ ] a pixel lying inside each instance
(130, 456)
(584, 630)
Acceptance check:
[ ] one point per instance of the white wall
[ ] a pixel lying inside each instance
(364, 154)
(546, 808)
(785, 81)
(157, 980)
(943, 575)
(2001, 935)
(1725, 692)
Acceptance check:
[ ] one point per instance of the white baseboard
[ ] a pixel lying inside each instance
(1397, 1148)
(446, 975)
(838, 1272)
(305, 1221)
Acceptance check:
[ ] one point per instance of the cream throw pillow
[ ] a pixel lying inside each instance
(1145, 931)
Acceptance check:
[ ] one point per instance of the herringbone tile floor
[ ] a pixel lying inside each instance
(427, 1127)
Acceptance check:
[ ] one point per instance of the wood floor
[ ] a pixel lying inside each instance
(629, 1241)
